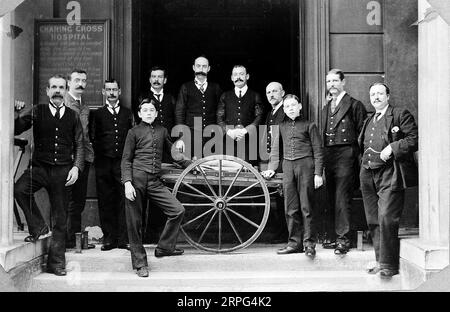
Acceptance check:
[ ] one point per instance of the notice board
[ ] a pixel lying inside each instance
(60, 48)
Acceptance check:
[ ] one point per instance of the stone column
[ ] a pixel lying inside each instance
(6, 131)
(429, 253)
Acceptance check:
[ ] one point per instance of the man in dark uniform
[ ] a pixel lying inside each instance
(342, 120)
(141, 165)
(242, 110)
(197, 100)
(73, 99)
(274, 94)
(108, 129)
(388, 141)
(56, 162)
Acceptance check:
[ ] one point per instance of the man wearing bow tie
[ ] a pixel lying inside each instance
(56, 164)
(342, 120)
(197, 100)
(388, 141)
(77, 85)
(108, 128)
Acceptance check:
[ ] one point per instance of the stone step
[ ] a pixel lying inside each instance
(259, 257)
(224, 281)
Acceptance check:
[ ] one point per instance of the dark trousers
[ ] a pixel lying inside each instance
(149, 186)
(77, 201)
(383, 207)
(53, 179)
(111, 200)
(340, 178)
(298, 187)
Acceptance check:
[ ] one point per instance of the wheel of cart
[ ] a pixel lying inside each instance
(227, 203)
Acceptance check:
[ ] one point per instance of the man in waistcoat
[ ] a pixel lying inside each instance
(197, 100)
(57, 160)
(342, 119)
(388, 141)
(108, 128)
(77, 84)
(239, 113)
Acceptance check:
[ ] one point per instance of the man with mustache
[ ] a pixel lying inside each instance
(342, 120)
(108, 128)
(73, 99)
(241, 108)
(197, 99)
(388, 141)
(56, 163)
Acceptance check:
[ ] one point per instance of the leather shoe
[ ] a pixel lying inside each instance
(107, 247)
(341, 249)
(310, 252)
(329, 245)
(90, 246)
(35, 237)
(58, 271)
(142, 272)
(124, 246)
(373, 270)
(164, 253)
(387, 273)
(289, 250)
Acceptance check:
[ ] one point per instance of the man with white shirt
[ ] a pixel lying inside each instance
(197, 100)
(342, 120)
(388, 141)
(240, 111)
(57, 160)
(108, 128)
(77, 84)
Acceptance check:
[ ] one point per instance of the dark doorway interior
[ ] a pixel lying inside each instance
(261, 34)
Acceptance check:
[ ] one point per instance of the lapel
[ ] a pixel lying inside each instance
(344, 106)
(325, 110)
(363, 130)
(389, 120)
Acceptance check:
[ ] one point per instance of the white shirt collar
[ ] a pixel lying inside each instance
(74, 97)
(155, 92)
(243, 89)
(109, 106)
(277, 107)
(383, 111)
(198, 84)
(339, 98)
(53, 109)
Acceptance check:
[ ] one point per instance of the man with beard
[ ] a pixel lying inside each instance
(73, 100)
(197, 99)
(108, 129)
(342, 119)
(56, 162)
(241, 108)
(275, 93)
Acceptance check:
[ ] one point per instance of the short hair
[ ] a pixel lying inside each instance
(337, 71)
(148, 101)
(203, 56)
(57, 76)
(157, 67)
(240, 65)
(111, 80)
(291, 96)
(388, 91)
(78, 71)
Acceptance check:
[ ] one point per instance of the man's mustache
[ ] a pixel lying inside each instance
(57, 96)
(156, 83)
(200, 73)
(79, 88)
(239, 79)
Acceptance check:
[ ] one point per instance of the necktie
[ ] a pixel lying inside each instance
(158, 97)
(240, 93)
(202, 88)
(58, 108)
(333, 105)
(78, 101)
(376, 117)
(114, 110)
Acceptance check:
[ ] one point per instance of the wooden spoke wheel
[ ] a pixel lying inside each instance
(227, 203)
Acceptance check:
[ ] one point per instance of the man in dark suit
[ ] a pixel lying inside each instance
(388, 140)
(77, 84)
(274, 94)
(239, 113)
(197, 100)
(342, 119)
(56, 162)
(108, 128)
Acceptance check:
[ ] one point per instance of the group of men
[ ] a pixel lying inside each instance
(69, 137)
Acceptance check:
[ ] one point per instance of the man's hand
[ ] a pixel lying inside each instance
(232, 133)
(240, 134)
(268, 174)
(18, 105)
(72, 177)
(386, 153)
(318, 181)
(130, 192)
(179, 145)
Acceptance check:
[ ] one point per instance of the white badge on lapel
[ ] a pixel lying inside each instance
(395, 129)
